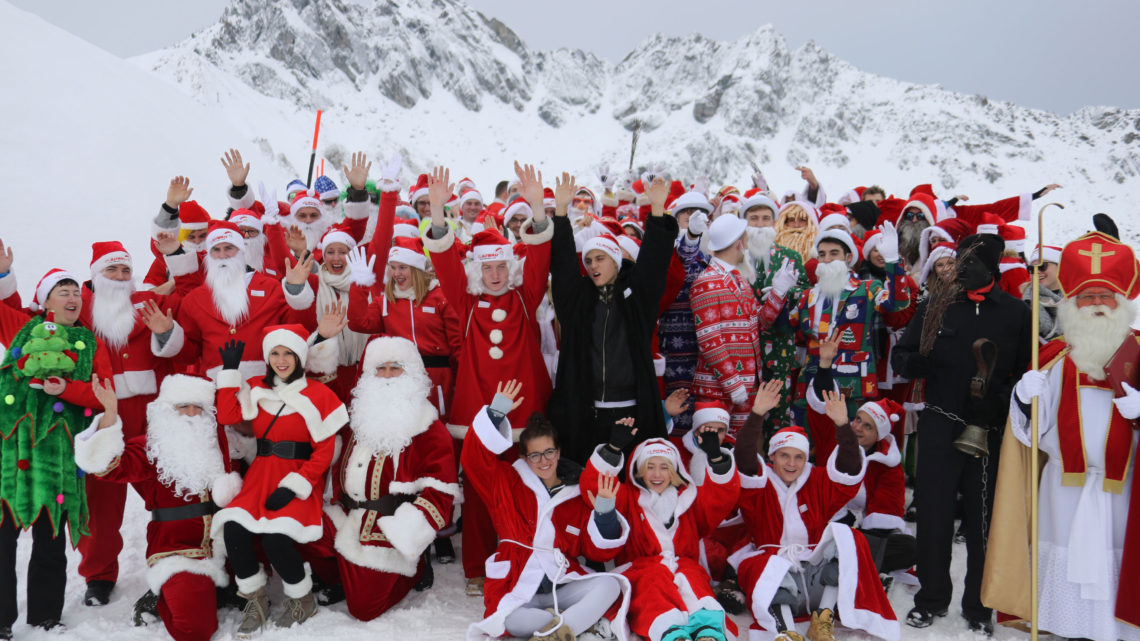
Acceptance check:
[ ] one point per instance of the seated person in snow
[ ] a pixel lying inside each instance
(669, 514)
(535, 586)
(181, 468)
(798, 562)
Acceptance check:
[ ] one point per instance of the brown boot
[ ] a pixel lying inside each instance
(561, 633)
(822, 626)
(254, 615)
(297, 610)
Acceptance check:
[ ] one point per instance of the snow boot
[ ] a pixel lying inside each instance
(254, 615)
(561, 633)
(730, 596)
(427, 579)
(922, 618)
(822, 626)
(146, 609)
(297, 610)
(474, 586)
(444, 551)
(98, 593)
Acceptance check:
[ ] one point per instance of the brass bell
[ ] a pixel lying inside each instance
(973, 441)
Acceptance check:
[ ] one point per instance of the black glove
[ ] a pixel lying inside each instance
(710, 444)
(621, 436)
(279, 499)
(231, 353)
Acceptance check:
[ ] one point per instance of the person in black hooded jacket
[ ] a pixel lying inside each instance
(608, 315)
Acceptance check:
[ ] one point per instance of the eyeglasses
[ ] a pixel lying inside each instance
(250, 233)
(583, 201)
(1096, 298)
(548, 454)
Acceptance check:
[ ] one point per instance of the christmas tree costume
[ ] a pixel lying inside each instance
(778, 342)
(37, 429)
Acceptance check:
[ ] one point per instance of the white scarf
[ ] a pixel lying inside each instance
(333, 288)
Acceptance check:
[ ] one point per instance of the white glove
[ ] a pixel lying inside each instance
(269, 200)
(607, 177)
(889, 245)
(390, 174)
(1032, 384)
(701, 184)
(739, 396)
(1129, 404)
(759, 181)
(361, 266)
(784, 278)
(698, 223)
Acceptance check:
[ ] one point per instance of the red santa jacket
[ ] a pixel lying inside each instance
(531, 525)
(182, 545)
(138, 373)
(200, 329)
(425, 468)
(1014, 276)
(881, 500)
(1018, 207)
(500, 333)
(432, 325)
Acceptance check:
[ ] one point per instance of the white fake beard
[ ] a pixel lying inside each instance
(226, 279)
(832, 278)
(1094, 339)
(314, 231)
(255, 252)
(190, 247)
(184, 449)
(387, 412)
(112, 314)
(760, 241)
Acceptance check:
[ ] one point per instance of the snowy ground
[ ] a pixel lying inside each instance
(439, 614)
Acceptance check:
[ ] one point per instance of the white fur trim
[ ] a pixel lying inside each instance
(845, 479)
(299, 589)
(530, 238)
(173, 344)
(759, 481)
(721, 479)
(8, 285)
(180, 388)
(711, 415)
(358, 210)
(765, 589)
(407, 257)
(213, 568)
(367, 278)
(336, 236)
(601, 465)
(291, 394)
(302, 301)
(182, 264)
(408, 530)
(225, 488)
(287, 339)
(871, 622)
(251, 584)
(423, 483)
(229, 378)
(290, 527)
(299, 484)
(600, 541)
(139, 382)
(495, 440)
(373, 557)
(440, 245)
(880, 521)
(245, 202)
(1025, 206)
(666, 620)
(96, 449)
(815, 403)
(322, 358)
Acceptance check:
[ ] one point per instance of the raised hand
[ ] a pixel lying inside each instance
(809, 176)
(622, 433)
(231, 353)
(391, 171)
(767, 396)
(295, 240)
(166, 243)
(104, 392)
(1048, 188)
(835, 406)
(657, 191)
(298, 272)
(608, 487)
(237, 172)
(606, 177)
(269, 201)
(510, 390)
(178, 192)
(675, 403)
(357, 173)
(829, 347)
(333, 320)
(361, 267)
(530, 182)
(440, 188)
(709, 441)
(5, 258)
(155, 320)
(785, 278)
(564, 190)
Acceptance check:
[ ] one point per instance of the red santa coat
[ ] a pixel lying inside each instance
(500, 333)
(881, 500)
(309, 413)
(1018, 207)
(792, 524)
(184, 545)
(662, 562)
(539, 535)
(432, 326)
(425, 468)
(137, 372)
(1014, 276)
(200, 329)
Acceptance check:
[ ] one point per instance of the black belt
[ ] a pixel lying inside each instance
(284, 449)
(436, 361)
(385, 505)
(182, 512)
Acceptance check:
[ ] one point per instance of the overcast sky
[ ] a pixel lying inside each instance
(1050, 54)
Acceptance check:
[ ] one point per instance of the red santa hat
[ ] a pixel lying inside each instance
(489, 245)
(489, 217)
(756, 197)
(941, 250)
(192, 216)
(548, 197)
(709, 412)
(48, 283)
(927, 189)
(890, 209)
(517, 207)
(418, 190)
(107, 253)
(1050, 254)
(393, 349)
(305, 198)
(793, 436)
(1014, 237)
(840, 236)
(990, 224)
(406, 228)
(657, 447)
(409, 251)
(834, 215)
(469, 194)
(885, 413)
(180, 388)
(924, 203)
(338, 233)
(293, 337)
(224, 231)
(1098, 260)
(730, 204)
(465, 184)
(871, 241)
(604, 243)
(246, 218)
(631, 245)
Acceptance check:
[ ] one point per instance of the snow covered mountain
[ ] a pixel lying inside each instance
(443, 83)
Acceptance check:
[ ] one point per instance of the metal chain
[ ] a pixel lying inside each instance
(985, 496)
(944, 413)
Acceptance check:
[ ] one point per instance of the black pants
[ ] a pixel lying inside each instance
(281, 550)
(891, 550)
(47, 570)
(943, 473)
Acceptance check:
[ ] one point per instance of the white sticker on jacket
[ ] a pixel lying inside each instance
(257, 292)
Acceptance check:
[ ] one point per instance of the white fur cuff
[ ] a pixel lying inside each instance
(324, 356)
(530, 238)
(495, 440)
(408, 530)
(225, 488)
(182, 264)
(173, 344)
(8, 285)
(300, 588)
(845, 479)
(229, 378)
(294, 481)
(97, 449)
(439, 245)
(358, 211)
(302, 301)
(367, 278)
(251, 584)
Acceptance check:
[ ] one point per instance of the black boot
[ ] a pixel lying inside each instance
(98, 593)
(147, 604)
(227, 598)
(730, 596)
(444, 551)
(427, 579)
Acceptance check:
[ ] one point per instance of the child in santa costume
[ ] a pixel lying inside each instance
(535, 586)
(294, 420)
(180, 466)
(798, 563)
(669, 514)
